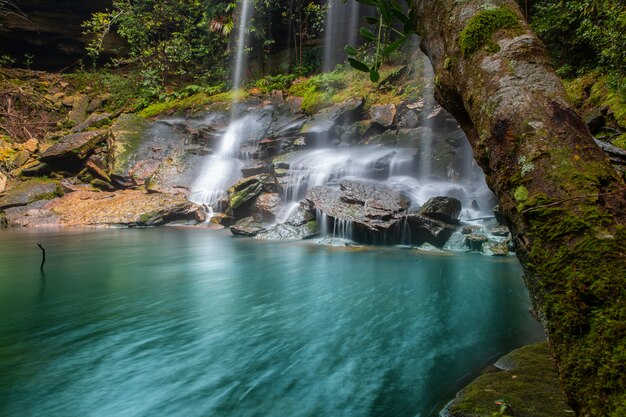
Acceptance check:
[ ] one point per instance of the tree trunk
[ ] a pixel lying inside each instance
(564, 202)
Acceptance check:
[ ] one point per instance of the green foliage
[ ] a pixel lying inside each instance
(307, 18)
(124, 89)
(385, 37)
(165, 38)
(483, 25)
(583, 34)
(270, 83)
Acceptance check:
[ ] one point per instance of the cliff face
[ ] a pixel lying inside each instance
(50, 31)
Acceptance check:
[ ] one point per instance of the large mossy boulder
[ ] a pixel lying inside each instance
(242, 194)
(525, 383)
(127, 135)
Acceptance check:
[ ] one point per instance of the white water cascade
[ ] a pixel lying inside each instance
(221, 170)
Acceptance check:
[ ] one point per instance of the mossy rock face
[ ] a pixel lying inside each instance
(26, 192)
(526, 381)
(127, 135)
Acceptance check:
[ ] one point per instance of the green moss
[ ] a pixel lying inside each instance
(146, 218)
(580, 274)
(529, 387)
(521, 194)
(311, 226)
(483, 25)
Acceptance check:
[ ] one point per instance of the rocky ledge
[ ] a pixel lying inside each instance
(97, 208)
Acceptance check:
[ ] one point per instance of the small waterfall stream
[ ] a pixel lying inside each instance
(342, 22)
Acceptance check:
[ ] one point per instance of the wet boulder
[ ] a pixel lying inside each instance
(248, 227)
(243, 193)
(445, 209)
(266, 207)
(254, 167)
(299, 225)
(474, 242)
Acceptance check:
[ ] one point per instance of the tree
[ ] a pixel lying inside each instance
(564, 202)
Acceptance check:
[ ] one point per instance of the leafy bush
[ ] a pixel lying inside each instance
(583, 34)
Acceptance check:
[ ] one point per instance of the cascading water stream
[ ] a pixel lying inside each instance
(221, 170)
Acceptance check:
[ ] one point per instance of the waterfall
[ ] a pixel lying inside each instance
(426, 143)
(223, 169)
(239, 63)
(342, 21)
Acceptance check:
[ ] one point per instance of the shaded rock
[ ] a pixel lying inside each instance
(102, 185)
(38, 169)
(74, 147)
(94, 120)
(526, 378)
(320, 128)
(429, 230)
(594, 120)
(248, 227)
(266, 207)
(97, 165)
(26, 192)
(445, 209)
(475, 242)
(78, 113)
(498, 215)
(383, 114)
(21, 158)
(34, 214)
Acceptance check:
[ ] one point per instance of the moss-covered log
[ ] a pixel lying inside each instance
(565, 204)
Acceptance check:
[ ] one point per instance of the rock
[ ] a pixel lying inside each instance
(496, 248)
(21, 158)
(499, 216)
(96, 164)
(248, 227)
(127, 135)
(321, 127)
(594, 120)
(95, 104)
(38, 169)
(475, 242)
(468, 230)
(26, 192)
(300, 225)
(127, 208)
(502, 231)
(94, 120)
(445, 209)
(79, 109)
(266, 207)
(31, 145)
(245, 190)
(383, 114)
(616, 155)
(255, 168)
(526, 378)
(409, 119)
(74, 147)
(3, 182)
(102, 185)
(294, 104)
(371, 212)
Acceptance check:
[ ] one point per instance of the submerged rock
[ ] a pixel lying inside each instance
(248, 227)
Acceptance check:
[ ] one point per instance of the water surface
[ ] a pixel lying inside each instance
(190, 322)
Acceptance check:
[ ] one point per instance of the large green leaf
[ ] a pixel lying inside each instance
(367, 34)
(358, 65)
(350, 50)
